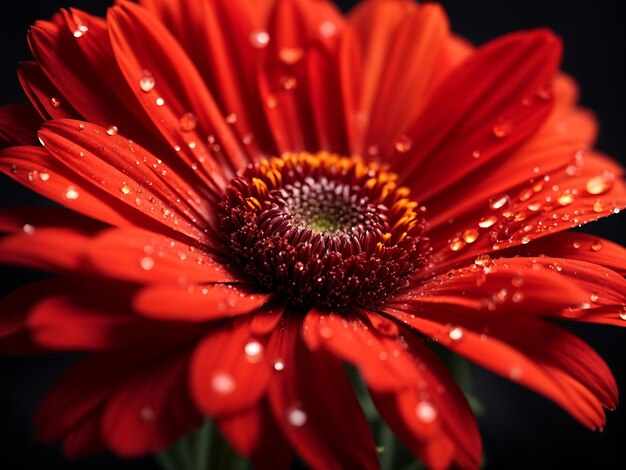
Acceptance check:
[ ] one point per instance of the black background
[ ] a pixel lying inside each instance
(520, 429)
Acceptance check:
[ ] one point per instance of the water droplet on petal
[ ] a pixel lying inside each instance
(296, 417)
(111, 130)
(188, 122)
(271, 102)
(55, 102)
(499, 202)
(565, 198)
(404, 143)
(259, 39)
(525, 240)
(223, 383)
(456, 333)
(125, 189)
(254, 351)
(147, 263)
(288, 82)
(515, 373)
(470, 235)
(290, 55)
(487, 222)
(534, 207)
(279, 365)
(28, 229)
(327, 29)
(71, 193)
(159, 101)
(231, 118)
(598, 206)
(502, 128)
(147, 415)
(596, 246)
(622, 314)
(44, 176)
(147, 82)
(426, 412)
(456, 244)
(483, 261)
(598, 185)
(517, 297)
(475, 154)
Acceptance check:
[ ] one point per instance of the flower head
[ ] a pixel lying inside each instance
(254, 192)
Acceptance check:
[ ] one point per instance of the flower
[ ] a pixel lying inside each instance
(255, 192)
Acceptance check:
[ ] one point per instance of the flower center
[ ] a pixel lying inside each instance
(323, 230)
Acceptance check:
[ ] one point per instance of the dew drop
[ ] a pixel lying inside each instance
(147, 415)
(44, 176)
(290, 55)
(456, 244)
(576, 245)
(525, 194)
(534, 207)
(404, 143)
(80, 30)
(426, 412)
(487, 222)
(517, 297)
(475, 154)
(288, 82)
(28, 229)
(159, 101)
(598, 206)
(594, 298)
(502, 128)
(483, 261)
(470, 235)
(254, 351)
(525, 240)
(566, 198)
(125, 189)
(598, 185)
(223, 383)
(271, 102)
(71, 193)
(596, 246)
(147, 82)
(622, 314)
(231, 118)
(515, 373)
(188, 122)
(327, 29)
(296, 417)
(111, 130)
(456, 333)
(147, 263)
(55, 102)
(279, 365)
(499, 202)
(259, 39)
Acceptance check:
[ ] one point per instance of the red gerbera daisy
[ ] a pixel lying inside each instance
(255, 192)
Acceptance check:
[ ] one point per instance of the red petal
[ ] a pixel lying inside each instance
(527, 350)
(196, 303)
(435, 400)
(407, 77)
(351, 340)
(18, 125)
(254, 434)
(229, 371)
(579, 246)
(141, 43)
(42, 94)
(34, 168)
(480, 107)
(586, 190)
(314, 417)
(149, 187)
(146, 257)
(150, 410)
(139, 398)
